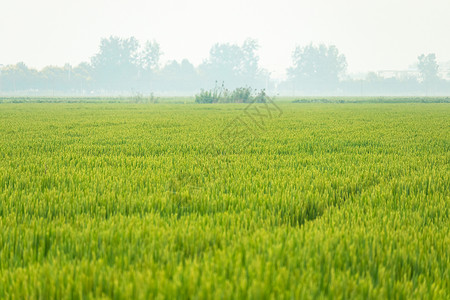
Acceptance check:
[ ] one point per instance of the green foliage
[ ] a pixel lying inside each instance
(428, 68)
(129, 201)
(317, 67)
(234, 64)
(239, 95)
(212, 96)
(261, 97)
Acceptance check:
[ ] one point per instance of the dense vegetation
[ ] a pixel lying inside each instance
(220, 94)
(128, 201)
(124, 66)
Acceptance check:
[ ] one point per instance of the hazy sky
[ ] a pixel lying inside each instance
(374, 35)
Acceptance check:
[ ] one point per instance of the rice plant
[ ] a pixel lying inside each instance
(132, 201)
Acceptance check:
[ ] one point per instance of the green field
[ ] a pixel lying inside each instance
(299, 201)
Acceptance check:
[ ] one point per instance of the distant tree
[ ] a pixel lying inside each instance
(19, 77)
(250, 70)
(428, 68)
(169, 76)
(188, 76)
(379, 85)
(57, 78)
(82, 76)
(223, 64)
(150, 56)
(233, 64)
(148, 64)
(317, 67)
(116, 66)
(179, 77)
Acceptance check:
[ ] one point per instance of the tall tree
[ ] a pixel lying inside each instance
(178, 77)
(57, 78)
(428, 68)
(223, 64)
(149, 57)
(82, 76)
(19, 77)
(317, 67)
(250, 70)
(232, 64)
(116, 65)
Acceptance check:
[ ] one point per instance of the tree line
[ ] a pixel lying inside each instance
(124, 65)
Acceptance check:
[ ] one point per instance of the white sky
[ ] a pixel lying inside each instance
(374, 35)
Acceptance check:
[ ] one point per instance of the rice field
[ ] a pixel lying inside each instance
(224, 201)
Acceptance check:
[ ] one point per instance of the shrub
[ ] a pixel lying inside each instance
(211, 96)
(239, 95)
